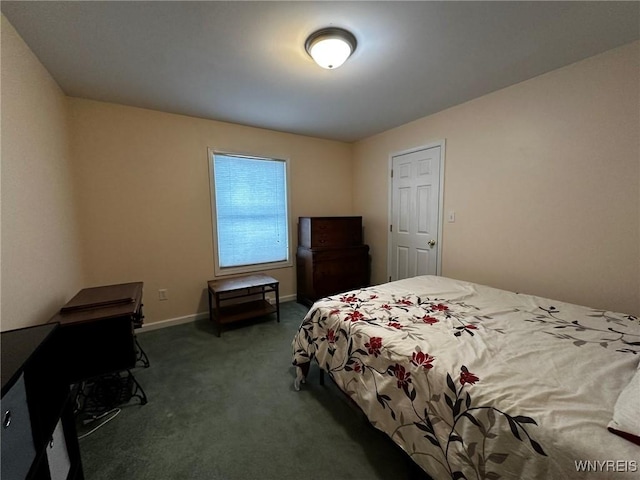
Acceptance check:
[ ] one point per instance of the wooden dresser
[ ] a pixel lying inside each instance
(331, 257)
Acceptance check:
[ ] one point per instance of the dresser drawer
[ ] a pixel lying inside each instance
(329, 232)
(324, 272)
(18, 451)
(336, 271)
(341, 256)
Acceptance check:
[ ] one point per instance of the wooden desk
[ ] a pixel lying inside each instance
(248, 286)
(97, 332)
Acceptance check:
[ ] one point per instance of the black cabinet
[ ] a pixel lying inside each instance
(39, 439)
(97, 341)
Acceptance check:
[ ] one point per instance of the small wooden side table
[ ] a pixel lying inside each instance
(248, 286)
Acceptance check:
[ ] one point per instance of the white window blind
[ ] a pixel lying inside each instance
(250, 210)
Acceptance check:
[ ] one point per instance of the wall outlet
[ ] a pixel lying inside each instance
(163, 294)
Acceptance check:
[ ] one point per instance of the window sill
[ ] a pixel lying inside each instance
(223, 272)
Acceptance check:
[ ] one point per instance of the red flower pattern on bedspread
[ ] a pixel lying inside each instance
(349, 299)
(467, 377)
(354, 316)
(444, 423)
(374, 345)
(420, 359)
(402, 376)
(331, 336)
(429, 319)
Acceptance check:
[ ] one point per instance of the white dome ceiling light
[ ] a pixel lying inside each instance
(330, 47)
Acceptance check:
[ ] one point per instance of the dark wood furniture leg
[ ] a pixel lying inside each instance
(277, 290)
(217, 314)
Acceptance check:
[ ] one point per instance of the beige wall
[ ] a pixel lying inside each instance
(544, 179)
(41, 266)
(143, 193)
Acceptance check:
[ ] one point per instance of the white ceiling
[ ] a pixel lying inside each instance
(244, 62)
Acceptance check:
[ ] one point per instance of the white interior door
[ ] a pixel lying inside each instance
(415, 213)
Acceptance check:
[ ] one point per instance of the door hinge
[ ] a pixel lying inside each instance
(389, 277)
(392, 173)
(391, 228)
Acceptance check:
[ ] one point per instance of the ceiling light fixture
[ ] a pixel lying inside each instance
(330, 47)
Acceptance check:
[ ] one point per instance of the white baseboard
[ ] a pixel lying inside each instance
(288, 298)
(171, 322)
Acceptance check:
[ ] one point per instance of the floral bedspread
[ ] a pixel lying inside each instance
(479, 383)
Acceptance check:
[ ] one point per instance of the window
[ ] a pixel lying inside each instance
(250, 217)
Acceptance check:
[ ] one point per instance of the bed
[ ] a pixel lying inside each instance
(479, 383)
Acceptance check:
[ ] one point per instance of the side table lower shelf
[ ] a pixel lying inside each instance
(243, 311)
(238, 288)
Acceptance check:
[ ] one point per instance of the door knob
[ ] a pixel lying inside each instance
(432, 243)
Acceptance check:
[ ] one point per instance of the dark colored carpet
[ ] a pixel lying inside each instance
(225, 408)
